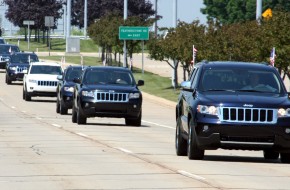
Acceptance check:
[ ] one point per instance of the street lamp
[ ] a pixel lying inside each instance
(125, 18)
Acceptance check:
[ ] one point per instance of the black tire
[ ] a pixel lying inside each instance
(8, 81)
(81, 119)
(23, 94)
(271, 155)
(285, 158)
(180, 142)
(63, 110)
(193, 152)
(134, 122)
(27, 97)
(57, 106)
(74, 115)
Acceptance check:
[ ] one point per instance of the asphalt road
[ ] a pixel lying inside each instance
(40, 149)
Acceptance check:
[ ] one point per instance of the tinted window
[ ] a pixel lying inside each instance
(46, 69)
(231, 79)
(8, 49)
(23, 58)
(109, 77)
(73, 73)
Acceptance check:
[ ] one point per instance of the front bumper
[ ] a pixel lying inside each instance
(15, 76)
(3, 65)
(130, 109)
(245, 136)
(45, 91)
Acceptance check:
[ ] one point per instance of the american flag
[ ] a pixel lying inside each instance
(272, 57)
(194, 51)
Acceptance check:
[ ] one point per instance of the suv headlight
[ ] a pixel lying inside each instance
(68, 89)
(212, 110)
(134, 95)
(12, 68)
(284, 112)
(88, 93)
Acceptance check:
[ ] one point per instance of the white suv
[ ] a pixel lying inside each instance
(41, 80)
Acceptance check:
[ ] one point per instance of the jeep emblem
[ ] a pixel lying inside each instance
(248, 105)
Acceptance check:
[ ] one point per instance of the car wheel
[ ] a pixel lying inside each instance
(57, 106)
(193, 152)
(23, 94)
(63, 109)
(27, 97)
(285, 157)
(8, 81)
(134, 122)
(74, 115)
(271, 155)
(180, 142)
(81, 119)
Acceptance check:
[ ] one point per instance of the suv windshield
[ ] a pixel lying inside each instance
(46, 69)
(71, 74)
(109, 77)
(24, 58)
(240, 80)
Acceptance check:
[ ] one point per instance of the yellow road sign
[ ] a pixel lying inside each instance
(267, 13)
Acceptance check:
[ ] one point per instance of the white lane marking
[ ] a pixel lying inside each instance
(81, 134)
(185, 173)
(38, 118)
(13, 107)
(23, 111)
(165, 126)
(56, 125)
(124, 150)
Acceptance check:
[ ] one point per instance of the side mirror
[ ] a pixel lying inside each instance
(186, 85)
(140, 83)
(77, 80)
(59, 77)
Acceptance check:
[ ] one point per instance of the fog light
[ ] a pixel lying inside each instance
(31, 88)
(205, 128)
(87, 105)
(134, 106)
(287, 130)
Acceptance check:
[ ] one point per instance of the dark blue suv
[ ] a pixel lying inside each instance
(65, 88)
(233, 105)
(18, 62)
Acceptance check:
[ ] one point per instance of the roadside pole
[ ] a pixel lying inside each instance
(28, 23)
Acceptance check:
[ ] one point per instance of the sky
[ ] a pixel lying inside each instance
(187, 11)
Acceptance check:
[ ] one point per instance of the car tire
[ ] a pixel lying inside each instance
(74, 115)
(193, 152)
(57, 106)
(63, 110)
(180, 142)
(27, 97)
(134, 122)
(81, 119)
(271, 155)
(285, 157)
(23, 94)
(8, 81)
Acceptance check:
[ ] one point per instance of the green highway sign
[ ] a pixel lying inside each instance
(133, 33)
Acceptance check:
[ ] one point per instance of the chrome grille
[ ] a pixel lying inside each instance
(46, 83)
(247, 115)
(111, 97)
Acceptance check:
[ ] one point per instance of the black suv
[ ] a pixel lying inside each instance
(233, 105)
(5, 52)
(65, 88)
(107, 92)
(18, 63)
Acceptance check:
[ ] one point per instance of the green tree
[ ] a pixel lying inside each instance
(233, 11)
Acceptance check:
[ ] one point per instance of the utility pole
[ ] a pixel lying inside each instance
(175, 63)
(125, 18)
(258, 9)
(68, 24)
(155, 26)
(86, 18)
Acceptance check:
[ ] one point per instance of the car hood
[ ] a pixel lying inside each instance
(116, 88)
(42, 77)
(242, 99)
(18, 65)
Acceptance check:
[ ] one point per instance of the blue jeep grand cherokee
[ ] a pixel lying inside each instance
(233, 105)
